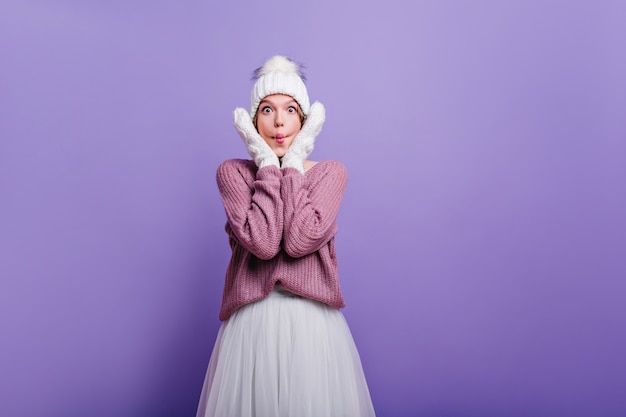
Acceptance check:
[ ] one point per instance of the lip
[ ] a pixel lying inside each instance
(280, 138)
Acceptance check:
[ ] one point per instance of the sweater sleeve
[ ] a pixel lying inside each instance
(311, 207)
(253, 205)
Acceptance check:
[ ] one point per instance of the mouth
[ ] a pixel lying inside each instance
(280, 138)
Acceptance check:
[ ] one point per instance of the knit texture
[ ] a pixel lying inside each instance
(281, 226)
(258, 149)
(279, 75)
(304, 142)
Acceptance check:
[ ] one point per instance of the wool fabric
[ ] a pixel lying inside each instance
(279, 75)
(281, 226)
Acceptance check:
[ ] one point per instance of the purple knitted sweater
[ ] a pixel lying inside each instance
(281, 227)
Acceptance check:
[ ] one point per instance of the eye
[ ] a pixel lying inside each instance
(292, 109)
(266, 109)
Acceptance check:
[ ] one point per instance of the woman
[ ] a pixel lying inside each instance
(284, 348)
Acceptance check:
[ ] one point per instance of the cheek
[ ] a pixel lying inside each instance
(295, 122)
(262, 129)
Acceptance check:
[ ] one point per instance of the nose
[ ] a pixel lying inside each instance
(278, 122)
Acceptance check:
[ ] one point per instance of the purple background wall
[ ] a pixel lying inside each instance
(482, 239)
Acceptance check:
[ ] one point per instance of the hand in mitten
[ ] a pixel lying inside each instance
(303, 143)
(258, 149)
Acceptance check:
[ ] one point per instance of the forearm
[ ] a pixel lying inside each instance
(254, 208)
(311, 212)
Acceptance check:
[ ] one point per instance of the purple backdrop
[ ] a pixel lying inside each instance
(482, 239)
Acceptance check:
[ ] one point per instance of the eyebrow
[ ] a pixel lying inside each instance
(292, 101)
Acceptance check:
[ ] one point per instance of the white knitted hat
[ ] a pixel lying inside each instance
(279, 75)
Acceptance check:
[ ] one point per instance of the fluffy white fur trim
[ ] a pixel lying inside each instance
(279, 63)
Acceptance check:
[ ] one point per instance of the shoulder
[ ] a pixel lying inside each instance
(240, 166)
(330, 167)
(234, 169)
(328, 172)
(236, 165)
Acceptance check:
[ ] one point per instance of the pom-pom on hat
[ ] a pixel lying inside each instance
(279, 75)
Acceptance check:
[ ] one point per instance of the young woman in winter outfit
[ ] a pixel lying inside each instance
(284, 348)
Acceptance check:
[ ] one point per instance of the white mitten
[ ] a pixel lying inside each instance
(302, 145)
(258, 149)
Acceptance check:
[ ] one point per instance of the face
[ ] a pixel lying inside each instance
(278, 121)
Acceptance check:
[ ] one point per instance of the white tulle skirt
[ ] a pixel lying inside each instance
(285, 356)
